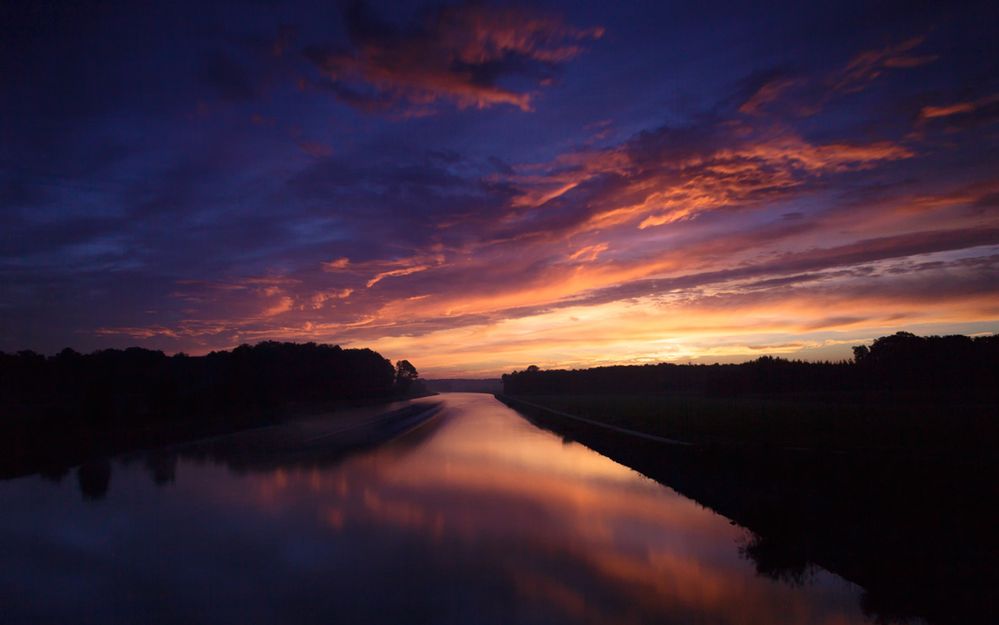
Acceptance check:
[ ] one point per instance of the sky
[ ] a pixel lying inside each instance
(478, 187)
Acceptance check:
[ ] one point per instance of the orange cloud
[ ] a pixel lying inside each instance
(589, 252)
(957, 108)
(394, 273)
(320, 299)
(282, 306)
(660, 189)
(336, 264)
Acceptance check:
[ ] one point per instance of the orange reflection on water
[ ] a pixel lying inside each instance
(569, 532)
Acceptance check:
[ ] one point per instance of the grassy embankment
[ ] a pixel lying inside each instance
(841, 422)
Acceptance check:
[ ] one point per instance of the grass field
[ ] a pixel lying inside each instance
(827, 422)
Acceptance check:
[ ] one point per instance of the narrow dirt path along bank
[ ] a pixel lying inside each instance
(515, 402)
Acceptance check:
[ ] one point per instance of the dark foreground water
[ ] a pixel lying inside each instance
(475, 517)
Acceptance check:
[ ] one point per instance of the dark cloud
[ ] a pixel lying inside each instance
(462, 54)
(403, 198)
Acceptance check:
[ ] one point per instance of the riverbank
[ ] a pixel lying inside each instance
(315, 440)
(915, 530)
(52, 446)
(834, 422)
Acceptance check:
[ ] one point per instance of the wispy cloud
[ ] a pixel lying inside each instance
(866, 66)
(588, 253)
(405, 271)
(960, 108)
(765, 94)
(459, 54)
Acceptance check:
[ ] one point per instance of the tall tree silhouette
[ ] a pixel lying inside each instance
(405, 375)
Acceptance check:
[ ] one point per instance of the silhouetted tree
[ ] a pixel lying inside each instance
(405, 375)
(860, 352)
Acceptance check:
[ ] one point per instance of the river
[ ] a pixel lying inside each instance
(477, 516)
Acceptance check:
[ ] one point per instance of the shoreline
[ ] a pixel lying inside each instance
(51, 448)
(914, 534)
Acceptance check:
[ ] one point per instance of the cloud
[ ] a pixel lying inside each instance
(785, 207)
(795, 94)
(681, 214)
(336, 264)
(461, 54)
(405, 266)
(765, 94)
(319, 300)
(923, 277)
(395, 272)
(283, 305)
(929, 112)
(987, 105)
(671, 174)
(588, 253)
(870, 64)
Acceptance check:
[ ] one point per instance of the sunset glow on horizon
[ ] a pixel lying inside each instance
(478, 187)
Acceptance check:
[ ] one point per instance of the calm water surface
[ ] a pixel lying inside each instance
(475, 517)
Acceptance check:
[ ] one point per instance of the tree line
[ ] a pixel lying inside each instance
(943, 366)
(141, 385)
